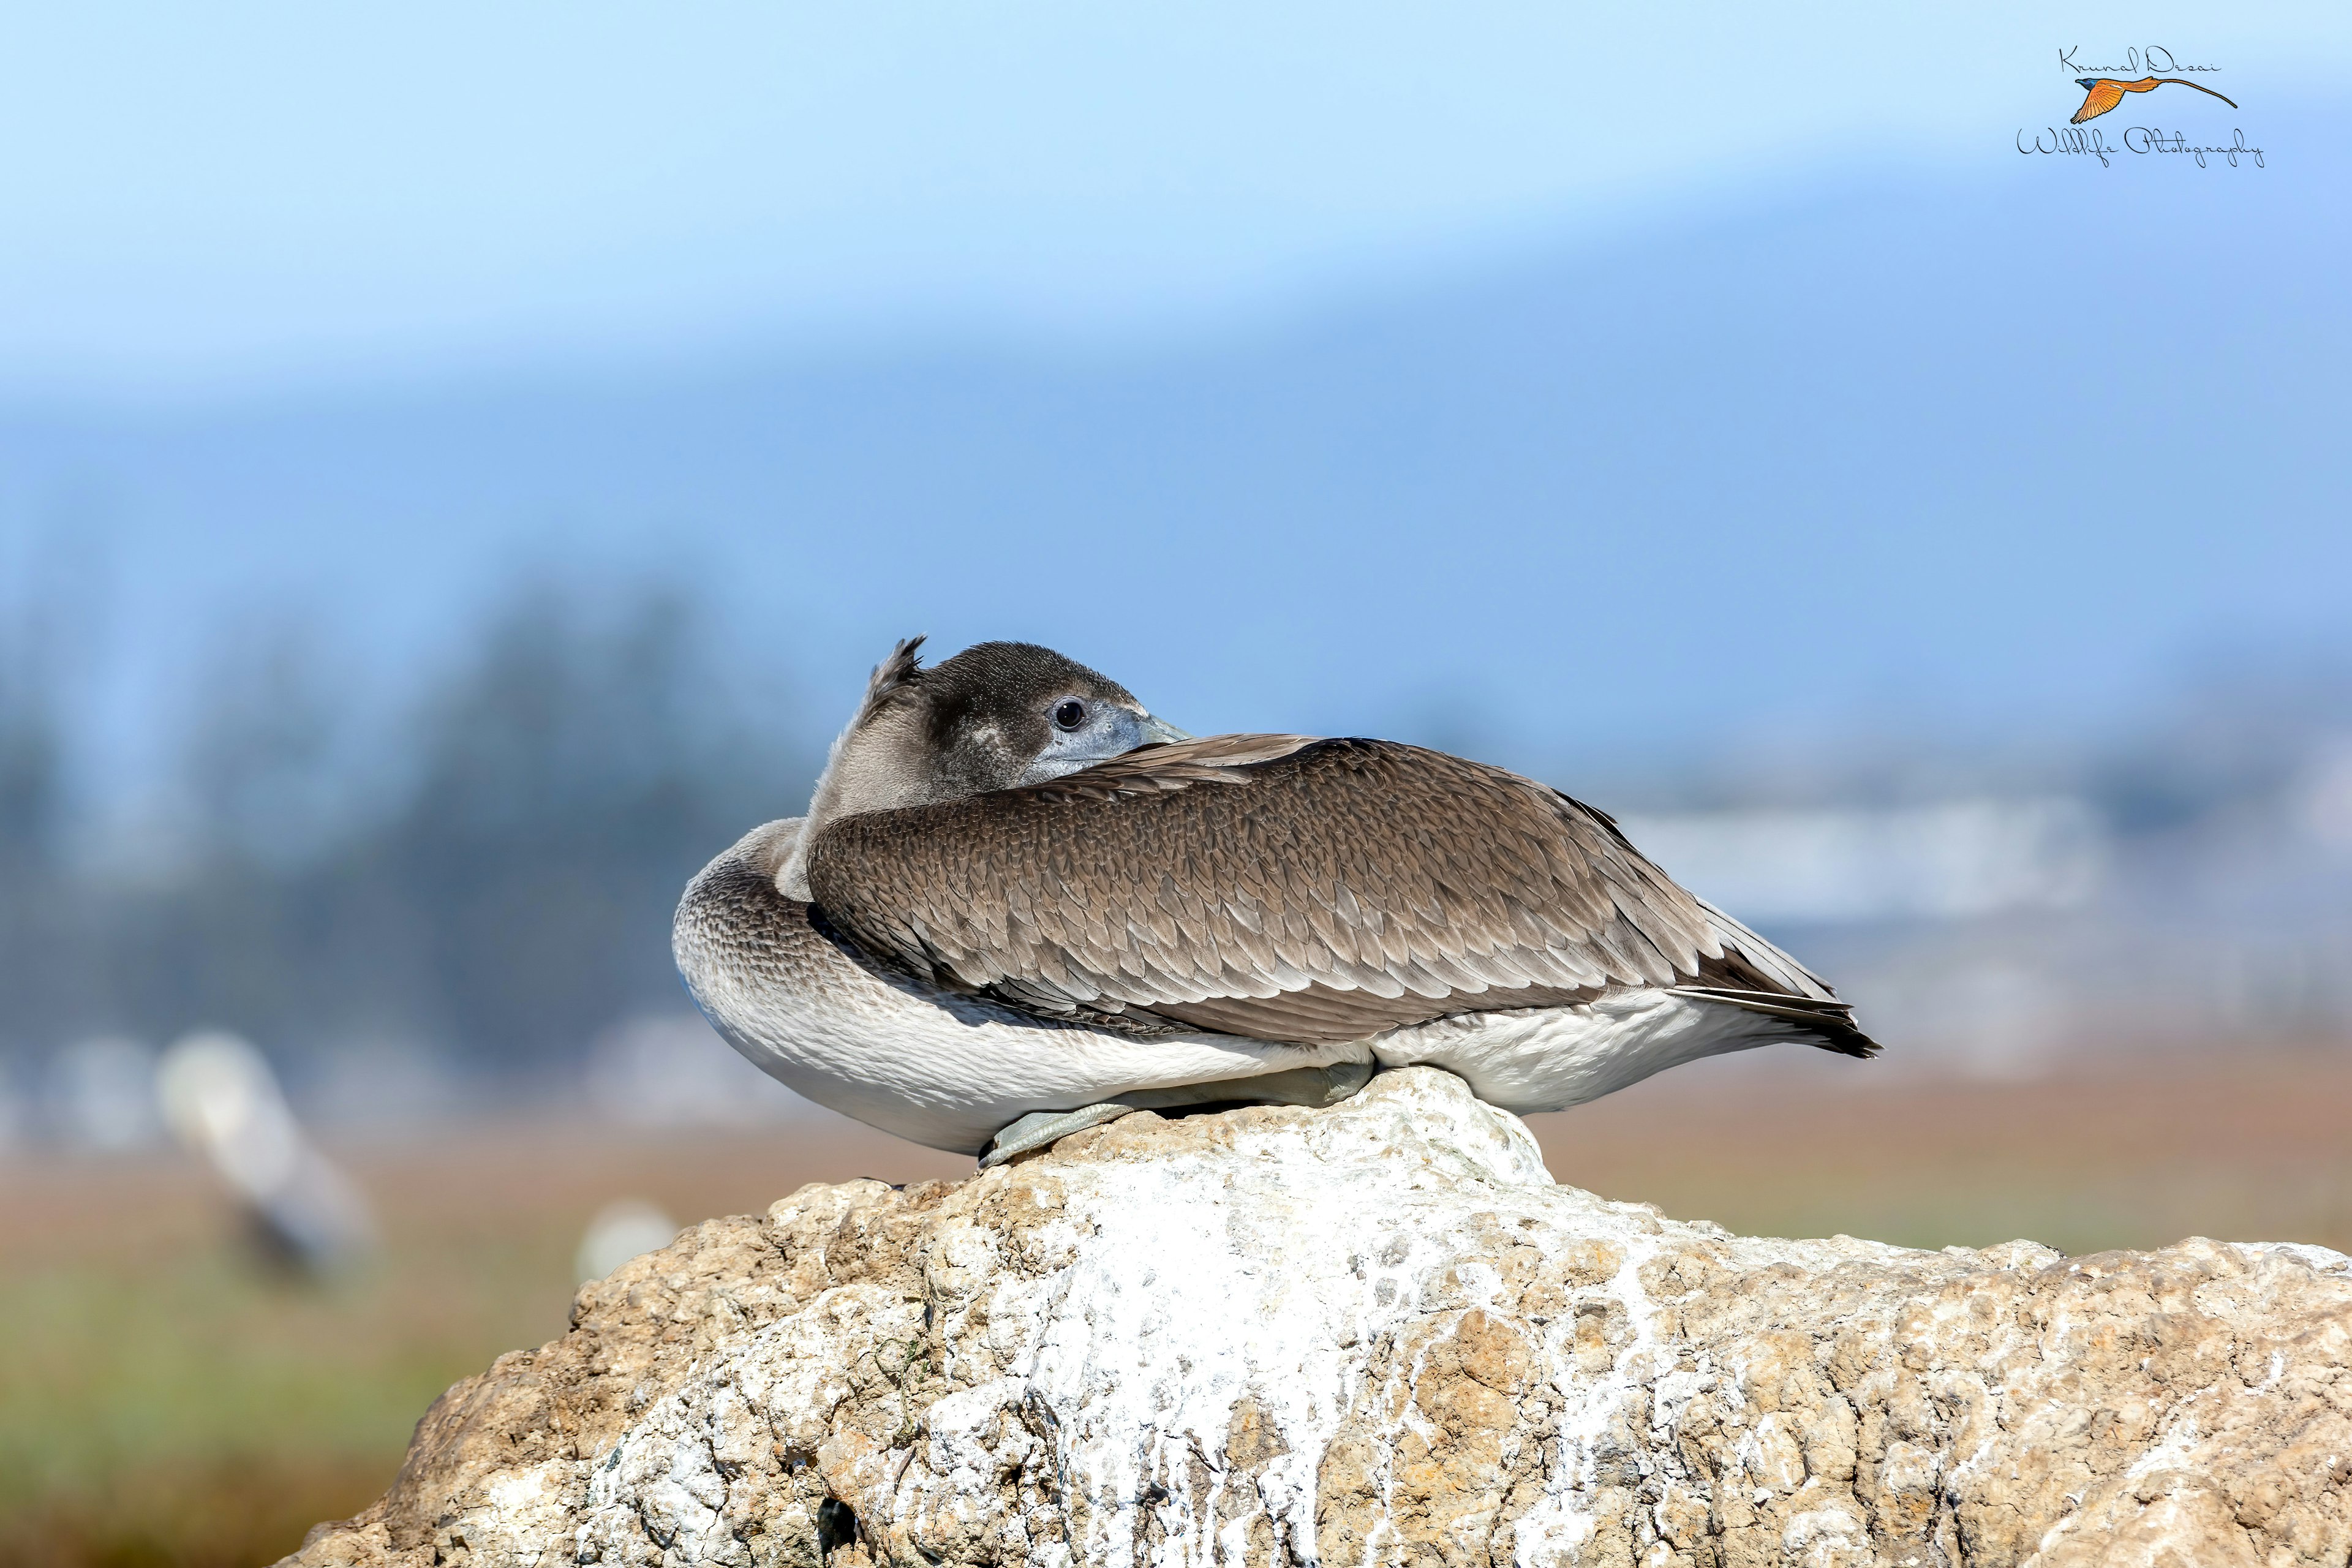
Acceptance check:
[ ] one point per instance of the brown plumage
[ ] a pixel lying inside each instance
(1288, 889)
(1019, 900)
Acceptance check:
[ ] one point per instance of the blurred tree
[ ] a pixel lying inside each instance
(30, 808)
(266, 764)
(493, 876)
(569, 781)
(225, 930)
(30, 799)
(46, 969)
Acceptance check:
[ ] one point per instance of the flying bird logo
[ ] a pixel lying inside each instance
(2105, 92)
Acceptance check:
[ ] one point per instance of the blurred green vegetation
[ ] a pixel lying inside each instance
(186, 1402)
(167, 1400)
(169, 1397)
(193, 1409)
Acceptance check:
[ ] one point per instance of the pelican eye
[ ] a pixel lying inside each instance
(1070, 714)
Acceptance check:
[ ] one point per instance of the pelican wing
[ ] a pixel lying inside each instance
(1286, 889)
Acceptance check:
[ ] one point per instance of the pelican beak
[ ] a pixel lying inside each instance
(1159, 732)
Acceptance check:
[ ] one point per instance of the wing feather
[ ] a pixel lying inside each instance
(1282, 887)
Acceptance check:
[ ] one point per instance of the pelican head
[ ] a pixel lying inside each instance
(996, 716)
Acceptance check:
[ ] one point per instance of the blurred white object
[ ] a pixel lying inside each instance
(2325, 789)
(223, 1103)
(622, 1230)
(1952, 859)
(673, 1070)
(102, 1094)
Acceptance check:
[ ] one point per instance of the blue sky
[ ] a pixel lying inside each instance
(1556, 379)
(222, 200)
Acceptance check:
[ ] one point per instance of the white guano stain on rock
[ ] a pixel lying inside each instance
(1379, 1334)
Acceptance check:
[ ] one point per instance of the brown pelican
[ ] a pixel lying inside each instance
(1020, 904)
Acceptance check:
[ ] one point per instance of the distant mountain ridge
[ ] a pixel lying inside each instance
(1982, 445)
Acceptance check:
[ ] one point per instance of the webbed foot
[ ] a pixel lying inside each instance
(1309, 1087)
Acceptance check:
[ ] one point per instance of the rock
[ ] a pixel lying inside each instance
(1380, 1333)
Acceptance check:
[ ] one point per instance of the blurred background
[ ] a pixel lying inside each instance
(457, 466)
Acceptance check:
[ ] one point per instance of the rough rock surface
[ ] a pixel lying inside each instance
(1382, 1333)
